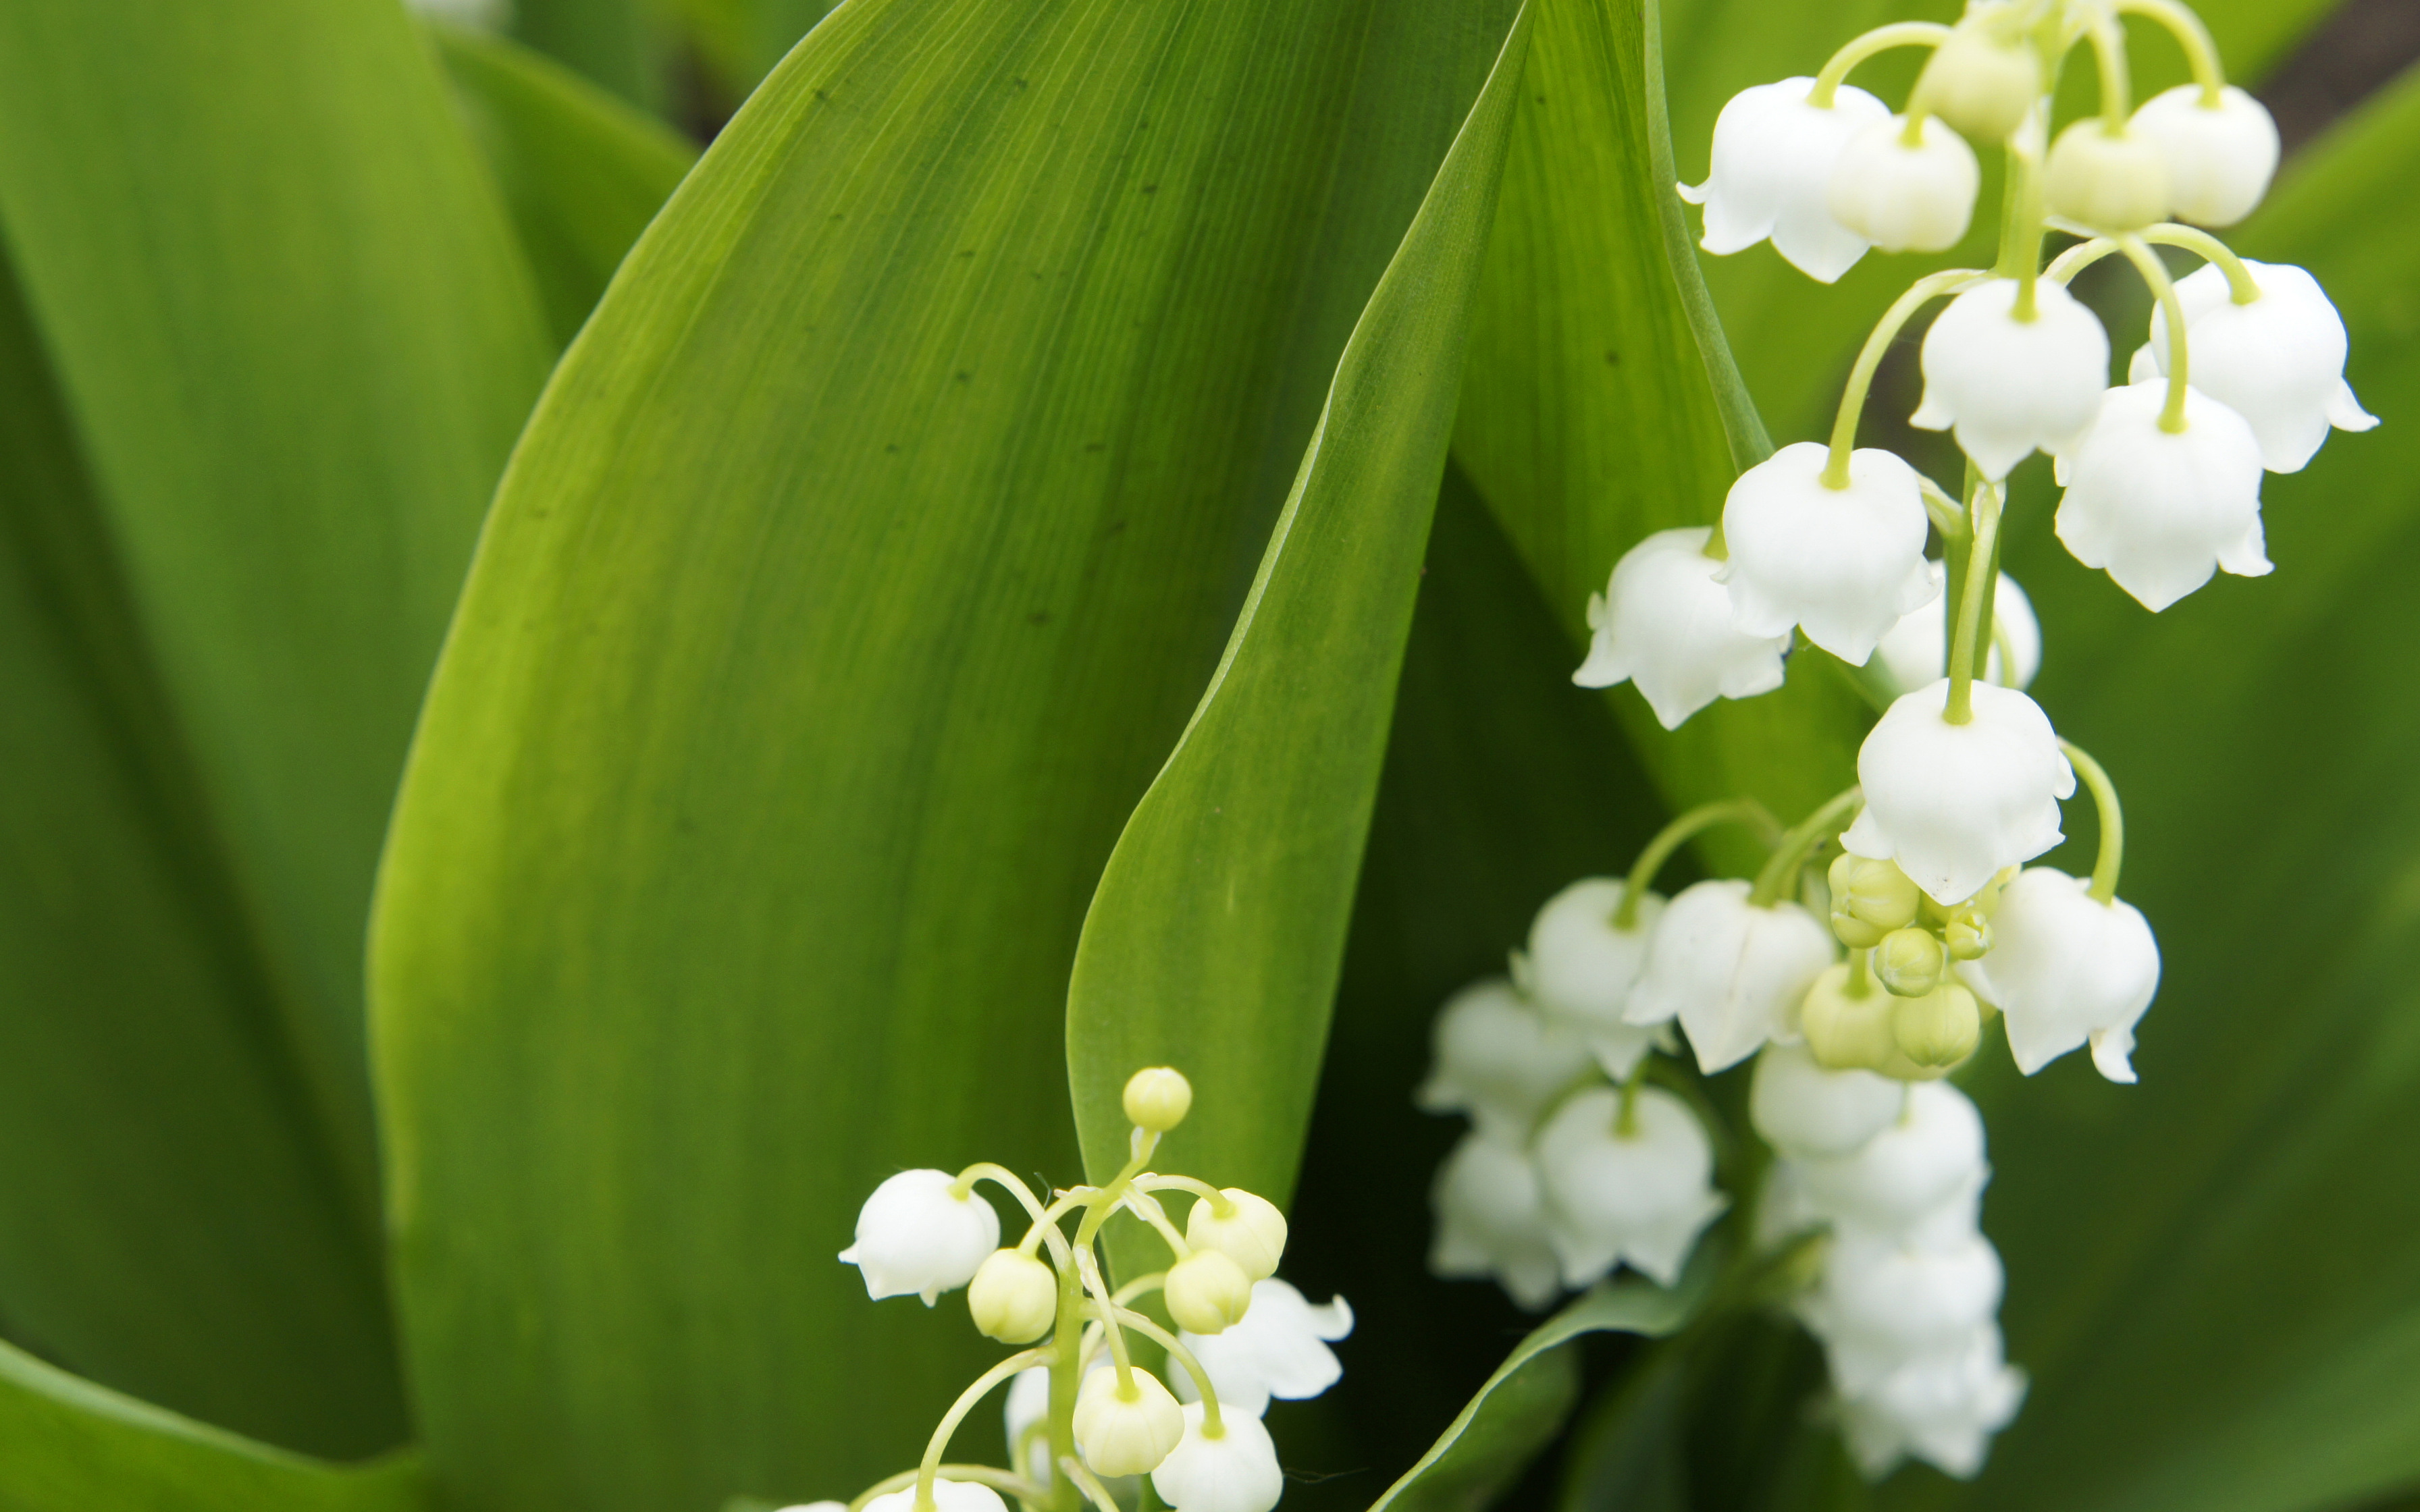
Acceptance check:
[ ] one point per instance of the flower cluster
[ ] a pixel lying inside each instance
(1082, 1415)
(1890, 929)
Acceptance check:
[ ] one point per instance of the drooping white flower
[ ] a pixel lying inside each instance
(1499, 1059)
(2162, 510)
(948, 1495)
(1236, 1472)
(1639, 1194)
(1942, 1407)
(1280, 1349)
(1491, 1221)
(2278, 361)
(1953, 804)
(1579, 967)
(1843, 564)
(2066, 968)
(1126, 1431)
(1885, 1302)
(1917, 651)
(1771, 169)
(916, 1235)
(1804, 1110)
(2220, 157)
(1663, 624)
(2008, 386)
(1927, 1159)
(1731, 972)
(1903, 196)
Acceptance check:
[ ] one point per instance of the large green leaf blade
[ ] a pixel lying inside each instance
(855, 575)
(580, 172)
(2214, 1277)
(68, 1445)
(1216, 938)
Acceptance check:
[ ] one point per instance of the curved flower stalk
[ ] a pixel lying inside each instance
(1081, 1415)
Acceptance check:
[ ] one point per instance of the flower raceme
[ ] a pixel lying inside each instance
(1079, 1411)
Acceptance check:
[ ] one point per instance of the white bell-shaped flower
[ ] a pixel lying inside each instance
(2162, 510)
(948, 1495)
(1883, 1302)
(1731, 972)
(1804, 1110)
(1638, 1196)
(1906, 196)
(1941, 1408)
(1773, 161)
(1235, 1471)
(1664, 623)
(1125, 1430)
(2278, 361)
(2220, 157)
(1491, 1221)
(2008, 386)
(1499, 1059)
(1280, 1349)
(1917, 651)
(1025, 1413)
(1923, 1159)
(1843, 564)
(2066, 968)
(1579, 968)
(1953, 804)
(917, 1236)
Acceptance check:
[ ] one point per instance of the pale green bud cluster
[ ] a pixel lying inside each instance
(1898, 1008)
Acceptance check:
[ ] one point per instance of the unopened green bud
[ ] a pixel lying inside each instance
(1157, 1098)
(1980, 84)
(1908, 961)
(1207, 1292)
(1940, 1028)
(1968, 934)
(1014, 1297)
(1846, 1030)
(2109, 181)
(1870, 899)
(1248, 1229)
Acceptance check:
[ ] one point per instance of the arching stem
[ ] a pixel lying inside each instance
(957, 1415)
(2164, 288)
(1858, 49)
(2201, 54)
(2113, 821)
(2109, 52)
(1982, 569)
(998, 1479)
(1678, 833)
(2241, 288)
(1783, 865)
(1861, 378)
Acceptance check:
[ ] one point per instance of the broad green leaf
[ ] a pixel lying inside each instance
(582, 173)
(1590, 419)
(1214, 942)
(857, 573)
(292, 342)
(607, 42)
(2214, 1277)
(68, 1445)
(1524, 1403)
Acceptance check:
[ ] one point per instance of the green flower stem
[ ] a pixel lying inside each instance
(1045, 1224)
(1861, 378)
(1880, 39)
(1861, 973)
(2113, 821)
(1066, 1374)
(1949, 515)
(2155, 273)
(2109, 52)
(1141, 1285)
(1211, 1425)
(2240, 287)
(1625, 1122)
(1219, 1206)
(1982, 569)
(1800, 842)
(998, 1479)
(1674, 835)
(1088, 1268)
(1149, 1211)
(2201, 54)
(2022, 213)
(1076, 1471)
(957, 1415)
(1008, 1181)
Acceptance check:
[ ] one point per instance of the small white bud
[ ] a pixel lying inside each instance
(1235, 1471)
(2162, 510)
(2109, 182)
(2220, 158)
(1906, 196)
(1280, 1349)
(1251, 1232)
(1954, 803)
(918, 1235)
(1639, 1196)
(2067, 970)
(1843, 564)
(2008, 385)
(2278, 361)
(1980, 84)
(1804, 1110)
(1774, 154)
(1499, 1059)
(1014, 1297)
(1733, 973)
(1579, 968)
(948, 1496)
(1663, 624)
(1206, 1292)
(1130, 1431)
(1157, 1098)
